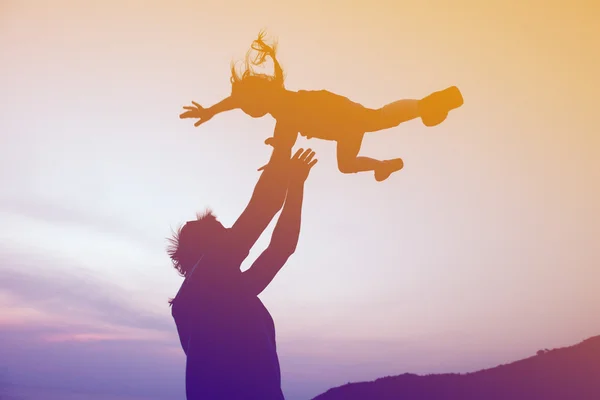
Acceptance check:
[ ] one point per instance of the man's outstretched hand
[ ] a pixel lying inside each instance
(196, 111)
(301, 164)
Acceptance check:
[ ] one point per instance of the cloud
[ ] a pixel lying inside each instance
(58, 288)
(124, 367)
(53, 212)
(64, 327)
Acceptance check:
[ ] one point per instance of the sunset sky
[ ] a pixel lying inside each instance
(482, 250)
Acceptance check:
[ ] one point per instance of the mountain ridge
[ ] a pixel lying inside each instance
(571, 372)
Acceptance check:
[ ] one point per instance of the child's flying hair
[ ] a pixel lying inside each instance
(257, 56)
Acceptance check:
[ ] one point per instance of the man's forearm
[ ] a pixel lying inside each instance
(271, 187)
(270, 190)
(287, 230)
(266, 201)
(283, 243)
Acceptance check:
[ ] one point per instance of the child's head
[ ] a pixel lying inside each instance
(256, 92)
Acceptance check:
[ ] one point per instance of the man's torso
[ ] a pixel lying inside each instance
(228, 338)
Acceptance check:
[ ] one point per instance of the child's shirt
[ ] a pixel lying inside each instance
(325, 115)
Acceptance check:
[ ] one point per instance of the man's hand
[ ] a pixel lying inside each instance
(301, 164)
(197, 111)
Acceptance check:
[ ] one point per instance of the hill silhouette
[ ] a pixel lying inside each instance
(569, 373)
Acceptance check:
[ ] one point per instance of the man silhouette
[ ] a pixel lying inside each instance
(227, 334)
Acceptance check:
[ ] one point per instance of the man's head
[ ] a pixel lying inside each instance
(195, 239)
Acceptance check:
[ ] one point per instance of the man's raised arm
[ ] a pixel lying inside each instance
(287, 231)
(268, 196)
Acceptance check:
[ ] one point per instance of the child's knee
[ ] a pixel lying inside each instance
(346, 165)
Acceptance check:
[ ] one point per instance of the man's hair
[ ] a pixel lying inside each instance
(183, 245)
(256, 56)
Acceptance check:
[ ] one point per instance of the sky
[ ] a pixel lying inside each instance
(482, 250)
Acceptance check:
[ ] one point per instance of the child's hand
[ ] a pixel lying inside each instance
(196, 111)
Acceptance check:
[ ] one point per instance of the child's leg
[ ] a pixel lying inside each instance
(392, 115)
(348, 147)
(432, 109)
(349, 162)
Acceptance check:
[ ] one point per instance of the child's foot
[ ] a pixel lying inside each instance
(435, 107)
(387, 168)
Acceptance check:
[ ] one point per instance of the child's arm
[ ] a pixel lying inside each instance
(204, 114)
(226, 104)
(283, 137)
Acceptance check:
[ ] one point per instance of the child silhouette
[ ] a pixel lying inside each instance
(322, 114)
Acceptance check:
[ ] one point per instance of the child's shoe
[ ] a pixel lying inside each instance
(387, 168)
(434, 108)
